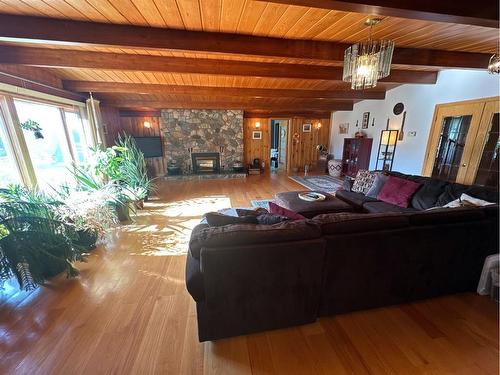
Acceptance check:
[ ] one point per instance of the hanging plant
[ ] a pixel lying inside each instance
(33, 126)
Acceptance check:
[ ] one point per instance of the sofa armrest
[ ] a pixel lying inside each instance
(259, 287)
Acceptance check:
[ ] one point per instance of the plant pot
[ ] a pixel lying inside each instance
(87, 239)
(122, 212)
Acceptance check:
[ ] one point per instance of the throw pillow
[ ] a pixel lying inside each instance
(270, 219)
(251, 212)
(363, 181)
(398, 191)
(378, 184)
(215, 219)
(467, 200)
(276, 209)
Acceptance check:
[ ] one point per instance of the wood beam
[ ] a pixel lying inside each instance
(55, 58)
(13, 80)
(248, 105)
(92, 33)
(478, 13)
(288, 114)
(144, 88)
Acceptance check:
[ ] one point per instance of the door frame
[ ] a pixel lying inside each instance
(288, 120)
(476, 108)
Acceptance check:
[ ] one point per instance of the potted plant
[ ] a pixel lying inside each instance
(33, 126)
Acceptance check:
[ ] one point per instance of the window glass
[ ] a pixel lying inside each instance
(77, 136)
(48, 146)
(9, 173)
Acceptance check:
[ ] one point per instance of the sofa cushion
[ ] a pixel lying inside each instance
(278, 210)
(270, 219)
(355, 199)
(345, 222)
(398, 191)
(381, 207)
(447, 216)
(216, 219)
(363, 181)
(194, 278)
(249, 234)
(378, 184)
(428, 194)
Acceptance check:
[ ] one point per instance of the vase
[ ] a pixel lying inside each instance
(335, 167)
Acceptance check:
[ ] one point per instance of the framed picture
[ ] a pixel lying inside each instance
(344, 128)
(306, 128)
(366, 120)
(257, 134)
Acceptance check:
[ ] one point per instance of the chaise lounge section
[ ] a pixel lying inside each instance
(248, 278)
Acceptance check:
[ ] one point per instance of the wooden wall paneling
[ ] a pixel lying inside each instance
(134, 126)
(303, 151)
(257, 148)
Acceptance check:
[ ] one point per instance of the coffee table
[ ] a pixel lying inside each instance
(291, 200)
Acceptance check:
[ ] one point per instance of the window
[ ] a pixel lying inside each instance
(9, 173)
(77, 135)
(48, 149)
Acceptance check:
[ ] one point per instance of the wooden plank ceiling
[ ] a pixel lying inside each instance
(254, 55)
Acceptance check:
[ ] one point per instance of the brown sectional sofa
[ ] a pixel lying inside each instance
(247, 278)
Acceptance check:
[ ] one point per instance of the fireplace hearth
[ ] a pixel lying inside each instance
(205, 162)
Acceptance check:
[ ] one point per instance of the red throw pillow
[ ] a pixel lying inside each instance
(398, 191)
(278, 210)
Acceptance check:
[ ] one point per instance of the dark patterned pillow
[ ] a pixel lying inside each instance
(363, 182)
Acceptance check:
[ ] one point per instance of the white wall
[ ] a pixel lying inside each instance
(419, 102)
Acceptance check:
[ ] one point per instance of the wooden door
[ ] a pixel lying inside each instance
(452, 139)
(484, 162)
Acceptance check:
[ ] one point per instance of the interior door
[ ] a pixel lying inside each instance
(282, 146)
(484, 162)
(452, 139)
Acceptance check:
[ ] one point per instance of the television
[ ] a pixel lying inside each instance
(150, 146)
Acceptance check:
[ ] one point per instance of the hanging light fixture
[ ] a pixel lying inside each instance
(494, 65)
(367, 62)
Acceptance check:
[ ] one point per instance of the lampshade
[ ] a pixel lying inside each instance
(389, 137)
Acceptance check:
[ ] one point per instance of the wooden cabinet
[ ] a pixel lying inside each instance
(356, 155)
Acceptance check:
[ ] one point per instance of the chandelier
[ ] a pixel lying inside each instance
(367, 62)
(494, 65)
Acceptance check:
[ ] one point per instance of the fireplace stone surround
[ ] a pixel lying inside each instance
(188, 131)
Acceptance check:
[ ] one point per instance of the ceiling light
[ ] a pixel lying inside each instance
(367, 62)
(494, 65)
(147, 124)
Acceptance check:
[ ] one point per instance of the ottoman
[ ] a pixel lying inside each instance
(331, 204)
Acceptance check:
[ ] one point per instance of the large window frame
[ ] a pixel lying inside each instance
(17, 139)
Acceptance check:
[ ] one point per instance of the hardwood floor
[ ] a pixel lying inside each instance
(129, 313)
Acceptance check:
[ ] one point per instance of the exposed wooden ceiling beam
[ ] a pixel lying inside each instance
(144, 88)
(478, 13)
(55, 58)
(48, 29)
(248, 105)
(281, 114)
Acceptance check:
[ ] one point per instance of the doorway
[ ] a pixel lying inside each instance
(279, 144)
(463, 145)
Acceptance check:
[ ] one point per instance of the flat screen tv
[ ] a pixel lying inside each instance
(150, 146)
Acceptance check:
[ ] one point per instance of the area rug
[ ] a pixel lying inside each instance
(262, 203)
(323, 183)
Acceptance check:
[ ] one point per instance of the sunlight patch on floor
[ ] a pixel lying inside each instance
(164, 228)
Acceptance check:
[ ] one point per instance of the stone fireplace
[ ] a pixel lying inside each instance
(198, 132)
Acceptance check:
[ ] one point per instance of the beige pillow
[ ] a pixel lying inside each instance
(363, 181)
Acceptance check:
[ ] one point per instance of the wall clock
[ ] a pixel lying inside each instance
(398, 109)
